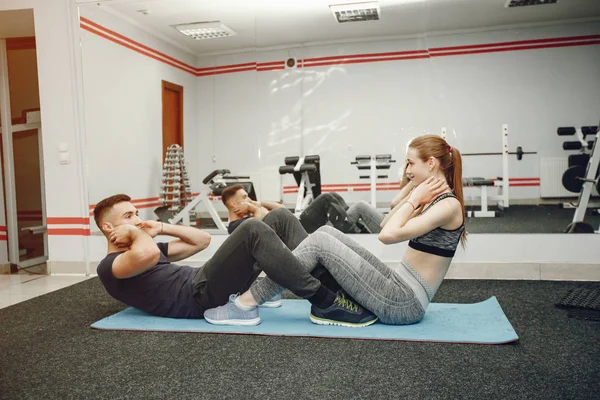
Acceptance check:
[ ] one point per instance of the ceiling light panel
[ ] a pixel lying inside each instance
(205, 30)
(356, 12)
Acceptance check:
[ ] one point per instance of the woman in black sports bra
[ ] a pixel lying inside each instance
(430, 216)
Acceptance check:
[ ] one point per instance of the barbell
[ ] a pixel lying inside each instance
(519, 153)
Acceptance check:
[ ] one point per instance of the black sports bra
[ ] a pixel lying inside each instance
(439, 241)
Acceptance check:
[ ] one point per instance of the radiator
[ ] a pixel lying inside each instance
(551, 172)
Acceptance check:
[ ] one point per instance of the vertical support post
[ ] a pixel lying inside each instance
(9, 163)
(588, 184)
(505, 173)
(43, 191)
(373, 171)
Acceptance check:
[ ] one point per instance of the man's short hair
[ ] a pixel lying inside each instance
(104, 206)
(229, 192)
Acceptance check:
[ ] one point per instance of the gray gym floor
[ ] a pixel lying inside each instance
(48, 350)
(530, 219)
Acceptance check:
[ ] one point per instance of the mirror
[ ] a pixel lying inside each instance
(292, 80)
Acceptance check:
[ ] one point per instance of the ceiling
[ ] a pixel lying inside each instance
(16, 23)
(266, 24)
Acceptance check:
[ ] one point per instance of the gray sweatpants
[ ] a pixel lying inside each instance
(397, 297)
(365, 213)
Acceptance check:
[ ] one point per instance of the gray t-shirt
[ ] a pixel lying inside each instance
(164, 290)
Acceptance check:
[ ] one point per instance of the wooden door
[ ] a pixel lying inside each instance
(172, 102)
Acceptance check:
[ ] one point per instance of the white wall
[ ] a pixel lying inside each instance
(123, 109)
(65, 192)
(340, 111)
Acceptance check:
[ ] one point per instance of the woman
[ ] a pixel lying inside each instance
(430, 216)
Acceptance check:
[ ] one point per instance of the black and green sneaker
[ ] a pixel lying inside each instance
(343, 312)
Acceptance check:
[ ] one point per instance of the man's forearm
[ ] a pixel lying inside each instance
(187, 234)
(257, 210)
(271, 205)
(141, 243)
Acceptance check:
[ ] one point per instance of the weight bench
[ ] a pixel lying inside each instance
(482, 184)
(307, 173)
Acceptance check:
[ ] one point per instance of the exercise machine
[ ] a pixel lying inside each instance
(580, 177)
(501, 183)
(373, 163)
(307, 173)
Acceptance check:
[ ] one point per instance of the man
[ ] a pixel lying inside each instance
(327, 207)
(140, 273)
(240, 206)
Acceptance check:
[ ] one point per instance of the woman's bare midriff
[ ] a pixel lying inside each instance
(431, 267)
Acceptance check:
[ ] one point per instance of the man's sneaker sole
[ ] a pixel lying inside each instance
(323, 321)
(271, 304)
(238, 322)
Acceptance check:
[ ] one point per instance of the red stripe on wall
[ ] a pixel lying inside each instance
(3, 229)
(497, 50)
(136, 49)
(67, 220)
(69, 232)
(271, 69)
(3, 237)
(522, 179)
(377, 55)
(226, 72)
(521, 42)
(231, 66)
(366, 60)
(270, 64)
(87, 21)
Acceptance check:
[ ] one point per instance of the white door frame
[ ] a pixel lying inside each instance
(9, 170)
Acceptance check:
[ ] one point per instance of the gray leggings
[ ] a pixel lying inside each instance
(396, 298)
(365, 213)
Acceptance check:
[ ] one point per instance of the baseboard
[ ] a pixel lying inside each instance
(69, 267)
(4, 269)
(525, 271)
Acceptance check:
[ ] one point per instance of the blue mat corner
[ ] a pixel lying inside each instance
(482, 323)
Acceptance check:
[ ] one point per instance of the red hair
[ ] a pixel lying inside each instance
(450, 160)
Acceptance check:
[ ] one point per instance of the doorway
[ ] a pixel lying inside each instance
(23, 195)
(172, 105)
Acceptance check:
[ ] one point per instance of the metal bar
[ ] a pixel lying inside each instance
(494, 154)
(373, 176)
(588, 185)
(9, 162)
(505, 174)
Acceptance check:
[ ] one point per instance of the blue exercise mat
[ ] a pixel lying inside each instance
(483, 323)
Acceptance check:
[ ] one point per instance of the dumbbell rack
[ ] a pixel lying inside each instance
(373, 164)
(175, 191)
